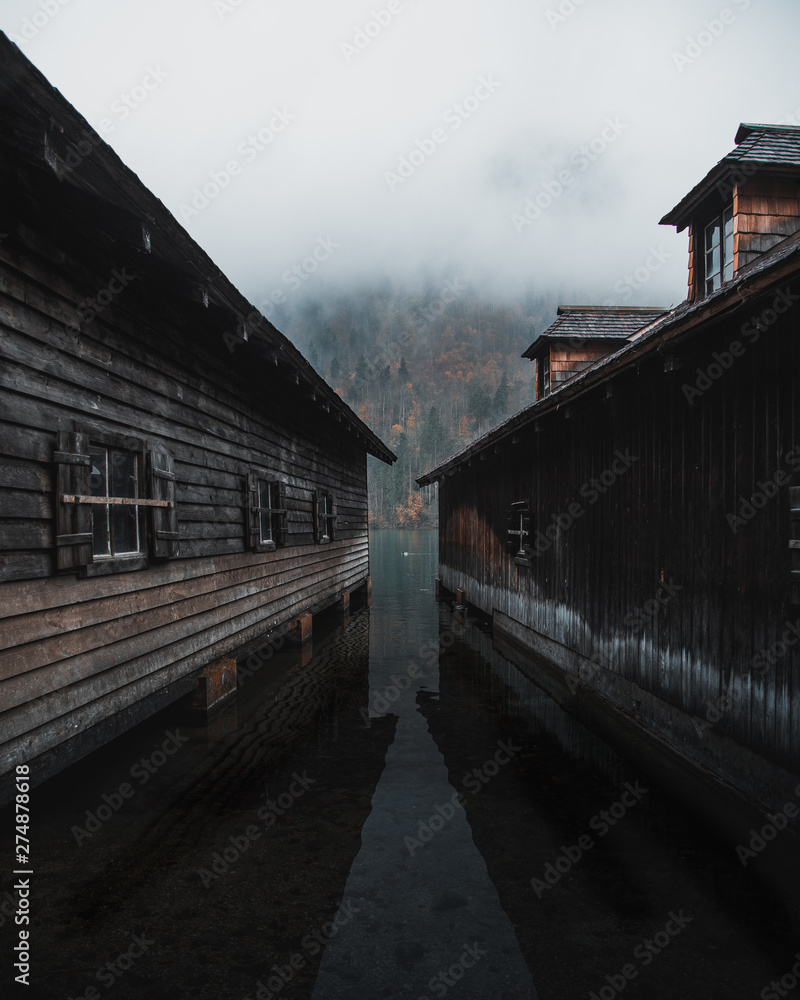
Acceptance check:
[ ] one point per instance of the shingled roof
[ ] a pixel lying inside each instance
(596, 323)
(775, 147)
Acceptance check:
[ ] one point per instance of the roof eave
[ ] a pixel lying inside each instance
(672, 328)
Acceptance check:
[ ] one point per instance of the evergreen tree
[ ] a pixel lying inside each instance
(501, 397)
(479, 404)
(335, 372)
(432, 440)
(313, 355)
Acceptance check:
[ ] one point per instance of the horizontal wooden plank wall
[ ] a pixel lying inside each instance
(766, 211)
(565, 362)
(76, 650)
(662, 521)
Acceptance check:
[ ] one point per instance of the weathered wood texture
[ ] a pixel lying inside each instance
(766, 211)
(567, 361)
(149, 367)
(657, 524)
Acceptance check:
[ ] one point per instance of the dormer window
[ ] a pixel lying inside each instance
(719, 251)
(580, 336)
(754, 190)
(544, 376)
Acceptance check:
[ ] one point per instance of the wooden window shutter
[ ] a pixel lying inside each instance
(163, 520)
(73, 520)
(252, 523)
(333, 519)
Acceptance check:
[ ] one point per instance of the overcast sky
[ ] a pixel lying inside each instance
(409, 136)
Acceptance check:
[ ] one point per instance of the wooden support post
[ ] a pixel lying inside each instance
(306, 653)
(438, 589)
(344, 605)
(460, 599)
(368, 586)
(304, 627)
(215, 685)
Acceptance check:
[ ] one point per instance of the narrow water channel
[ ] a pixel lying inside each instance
(401, 814)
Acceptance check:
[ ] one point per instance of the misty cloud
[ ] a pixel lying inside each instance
(315, 104)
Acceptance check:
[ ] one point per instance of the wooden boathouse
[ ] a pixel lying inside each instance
(637, 528)
(176, 481)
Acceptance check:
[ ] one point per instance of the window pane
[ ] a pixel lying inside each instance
(124, 519)
(125, 526)
(265, 520)
(123, 474)
(712, 235)
(728, 257)
(101, 540)
(727, 273)
(727, 221)
(99, 473)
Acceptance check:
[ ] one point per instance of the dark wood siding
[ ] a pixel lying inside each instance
(662, 521)
(766, 211)
(156, 370)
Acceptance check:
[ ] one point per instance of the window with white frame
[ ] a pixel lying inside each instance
(718, 251)
(116, 525)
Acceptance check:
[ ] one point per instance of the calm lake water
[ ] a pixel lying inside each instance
(402, 814)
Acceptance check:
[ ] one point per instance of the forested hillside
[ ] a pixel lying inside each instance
(428, 369)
